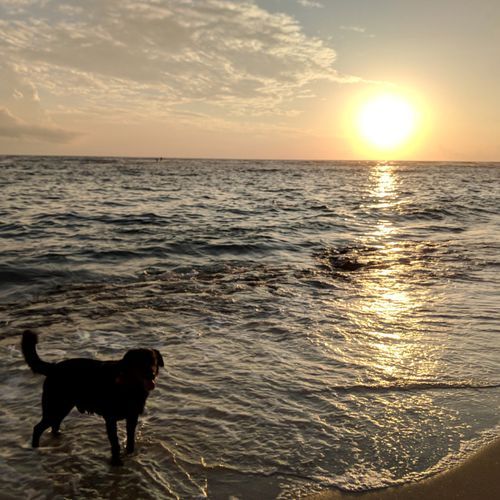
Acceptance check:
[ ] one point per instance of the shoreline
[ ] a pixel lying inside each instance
(478, 478)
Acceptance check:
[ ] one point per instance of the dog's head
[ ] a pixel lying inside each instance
(140, 368)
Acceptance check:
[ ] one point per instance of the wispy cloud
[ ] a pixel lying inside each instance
(13, 127)
(355, 29)
(166, 53)
(309, 3)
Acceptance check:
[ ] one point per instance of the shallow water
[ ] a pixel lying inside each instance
(323, 324)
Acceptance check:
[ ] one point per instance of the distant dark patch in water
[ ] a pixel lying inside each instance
(345, 259)
(415, 261)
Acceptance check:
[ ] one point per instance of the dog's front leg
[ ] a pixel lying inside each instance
(113, 439)
(131, 425)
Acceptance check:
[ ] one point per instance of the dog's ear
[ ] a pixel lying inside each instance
(159, 358)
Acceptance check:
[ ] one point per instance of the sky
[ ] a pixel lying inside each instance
(284, 79)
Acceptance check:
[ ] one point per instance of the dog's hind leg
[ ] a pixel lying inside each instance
(50, 419)
(59, 416)
(54, 409)
(46, 421)
(44, 424)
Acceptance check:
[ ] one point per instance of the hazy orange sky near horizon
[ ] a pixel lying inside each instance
(247, 79)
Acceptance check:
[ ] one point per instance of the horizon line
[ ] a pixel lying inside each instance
(222, 158)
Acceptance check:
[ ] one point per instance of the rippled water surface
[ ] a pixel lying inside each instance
(323, 324)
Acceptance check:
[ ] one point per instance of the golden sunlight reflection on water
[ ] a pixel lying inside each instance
(390, 301)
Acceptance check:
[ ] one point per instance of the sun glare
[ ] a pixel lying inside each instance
(386, 122)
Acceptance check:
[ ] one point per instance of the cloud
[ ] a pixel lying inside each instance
(13, 127)
(13, 86)
(158, 56)
(309, 3)
(358, 30)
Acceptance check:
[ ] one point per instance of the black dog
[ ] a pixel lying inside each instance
(116, 390)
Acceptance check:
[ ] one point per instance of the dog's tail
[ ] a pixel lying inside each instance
(28, 346)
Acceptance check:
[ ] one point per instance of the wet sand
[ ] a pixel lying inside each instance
(476, 479)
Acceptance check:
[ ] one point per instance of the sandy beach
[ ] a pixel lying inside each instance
(476, 479)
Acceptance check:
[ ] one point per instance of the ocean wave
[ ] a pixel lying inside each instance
(125, 219)
(13, 275)
(413, 386)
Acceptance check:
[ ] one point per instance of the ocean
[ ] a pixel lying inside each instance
(323, 324)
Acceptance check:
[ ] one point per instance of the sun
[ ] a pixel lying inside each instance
(386, 121)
